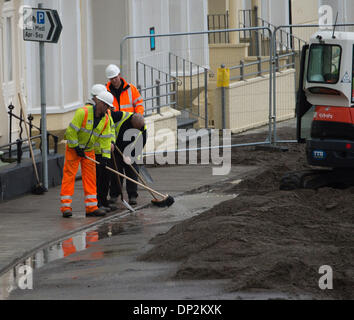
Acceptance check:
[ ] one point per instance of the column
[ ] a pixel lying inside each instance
(234, 20)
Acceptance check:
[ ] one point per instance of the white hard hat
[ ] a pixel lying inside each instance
(106, 97)
(112, 71)
(97, 89)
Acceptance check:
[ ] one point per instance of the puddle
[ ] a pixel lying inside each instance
(185, 206)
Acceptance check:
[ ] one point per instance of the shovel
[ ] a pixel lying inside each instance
(165, 202)
(136, 172)
(126, 204)
(144, 172)
(38, 188)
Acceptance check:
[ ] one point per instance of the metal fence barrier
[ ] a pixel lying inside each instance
(286, 41)
(187, 74)
(192, 77)
(242, 66)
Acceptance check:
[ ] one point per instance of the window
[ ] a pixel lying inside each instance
(324, 63)
(9, 75)
(152, 39)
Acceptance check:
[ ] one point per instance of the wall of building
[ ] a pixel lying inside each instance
(12, 64)
(109, 24)
(304, 11)
(246, 102)
(3, 117)
(173, 16)
(218, 6)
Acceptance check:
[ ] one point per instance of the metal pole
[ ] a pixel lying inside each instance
(274, 118)
(43, 112)
(11, 107)
(270, 86)
(206, 97)
(158, 95)
(223, 103)
(290, 23)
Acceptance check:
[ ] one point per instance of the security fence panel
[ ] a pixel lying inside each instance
(179, 77)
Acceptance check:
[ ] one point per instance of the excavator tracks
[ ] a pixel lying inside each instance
(317, 178)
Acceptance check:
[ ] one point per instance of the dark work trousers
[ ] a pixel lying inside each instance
(131, 187)
(102, 182)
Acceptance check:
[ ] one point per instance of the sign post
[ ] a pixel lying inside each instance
(42, 25)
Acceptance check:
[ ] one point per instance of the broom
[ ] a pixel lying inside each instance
(165, 202)
(38, 188)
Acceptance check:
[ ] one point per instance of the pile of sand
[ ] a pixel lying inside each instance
(267, 239)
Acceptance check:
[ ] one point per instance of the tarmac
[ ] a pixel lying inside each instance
(31, 222)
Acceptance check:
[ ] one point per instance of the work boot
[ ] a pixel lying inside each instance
(97, 213)
(112, 207)
(105, 208)
(67, 214)
(132, 201)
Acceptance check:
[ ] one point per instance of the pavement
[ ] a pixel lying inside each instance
(31, 222)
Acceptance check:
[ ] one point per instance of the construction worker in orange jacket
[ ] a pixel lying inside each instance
(89, 127)
(126, 96)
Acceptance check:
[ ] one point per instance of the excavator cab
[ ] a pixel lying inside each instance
(325, 112)
(325, 99)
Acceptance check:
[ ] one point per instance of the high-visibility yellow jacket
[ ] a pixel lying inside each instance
(97, 145)
(81, 133)
(120, 121)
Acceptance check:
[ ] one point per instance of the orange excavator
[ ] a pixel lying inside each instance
(325, 112)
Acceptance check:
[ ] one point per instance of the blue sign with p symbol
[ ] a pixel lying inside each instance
(40, 17)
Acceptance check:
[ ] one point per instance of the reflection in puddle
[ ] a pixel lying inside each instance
(63, 249)
(185, 206)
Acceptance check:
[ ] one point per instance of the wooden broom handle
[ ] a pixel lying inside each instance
(29, 138)
(130, 179)
(132, 167)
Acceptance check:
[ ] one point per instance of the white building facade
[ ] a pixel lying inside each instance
(90, 40)
(91, 37)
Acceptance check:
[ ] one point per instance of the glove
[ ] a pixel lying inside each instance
(127, 160)
(80, 152)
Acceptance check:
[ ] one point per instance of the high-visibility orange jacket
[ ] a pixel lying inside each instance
(130, 99)
(68, 247)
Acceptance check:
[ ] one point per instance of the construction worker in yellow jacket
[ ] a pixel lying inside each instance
(123, 122)
(91, 125)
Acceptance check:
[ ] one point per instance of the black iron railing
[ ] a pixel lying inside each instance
(218, 22)
(19, 142)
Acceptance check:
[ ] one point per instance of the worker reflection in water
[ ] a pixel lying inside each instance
(90, 126)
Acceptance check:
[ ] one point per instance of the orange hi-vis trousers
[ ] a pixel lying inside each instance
(88, 172)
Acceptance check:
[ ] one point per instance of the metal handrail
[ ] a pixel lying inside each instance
(259, 63)
(145, 86)
(20, 141)
(260, 21)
